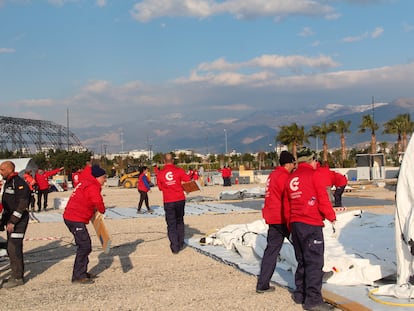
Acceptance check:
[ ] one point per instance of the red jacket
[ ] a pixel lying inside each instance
(86, 198)
(307, 197)
(339, 180)
(273, 204)
(86, 172)
(43, 179)
(143, 183)
(326, 175)
(28, 178)
(75, 178)
(225, 172)
(169, 181)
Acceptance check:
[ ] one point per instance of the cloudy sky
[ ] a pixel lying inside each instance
(112, 61)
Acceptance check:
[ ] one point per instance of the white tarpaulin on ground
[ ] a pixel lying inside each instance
(360, 251)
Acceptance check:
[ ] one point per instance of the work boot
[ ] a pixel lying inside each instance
(13, 283)
(91, 275)
(267, 290)
(83, 281)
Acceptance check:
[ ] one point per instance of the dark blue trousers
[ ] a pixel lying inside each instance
(83, 242)
(309, 248)
(338, 196)
(174, 216)
(40, 194)
(275, 236)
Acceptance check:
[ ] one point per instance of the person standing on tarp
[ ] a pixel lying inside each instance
(143, 188)
(170, 180)
(42, 180)
(31, 182)
(339, 181)
(307, 207)
(273, 215)
(15, 200)
(326, 175)
(86, 198)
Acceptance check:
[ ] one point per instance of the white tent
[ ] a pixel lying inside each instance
(404, 230)
(23, 164)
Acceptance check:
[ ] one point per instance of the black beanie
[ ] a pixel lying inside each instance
(97, 171)
(286, 157)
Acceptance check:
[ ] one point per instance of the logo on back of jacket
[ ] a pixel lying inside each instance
(169, 178)
(294, 187)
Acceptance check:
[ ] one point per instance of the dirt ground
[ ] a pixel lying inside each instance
(141, 273)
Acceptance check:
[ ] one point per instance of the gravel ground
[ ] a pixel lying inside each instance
(140, 273)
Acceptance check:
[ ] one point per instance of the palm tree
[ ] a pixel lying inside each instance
(293, 136)
(400, 125)
(394, 126)
(322, 133)
(369, 123)
(341, 127)
(247, 158)
(407, 127)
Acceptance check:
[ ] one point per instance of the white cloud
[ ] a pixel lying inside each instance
(227, 121)
(407, 27)
(96, 86)
(147, 10)
(377, 32)
(306, 32)
(355, 38)
(374, 34)
(250, 140)
(222, 96)
(315, 43)
(236, 107)
(173, 116)
(293, 61)
(161, 133)
(60, 2)
(101, 3)
(262, 68)
(46, 102)
(7, 50)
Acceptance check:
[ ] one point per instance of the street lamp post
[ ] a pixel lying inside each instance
(225, 140)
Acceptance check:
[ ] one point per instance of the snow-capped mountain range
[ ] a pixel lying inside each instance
(251, 132)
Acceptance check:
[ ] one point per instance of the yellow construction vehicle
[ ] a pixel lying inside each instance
(129, 180)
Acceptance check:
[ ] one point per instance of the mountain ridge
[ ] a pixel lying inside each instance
(251, 132)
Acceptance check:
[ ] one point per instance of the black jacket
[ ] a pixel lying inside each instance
(15, 200)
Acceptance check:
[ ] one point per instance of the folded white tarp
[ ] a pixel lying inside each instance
(360, 251)
(257, 192)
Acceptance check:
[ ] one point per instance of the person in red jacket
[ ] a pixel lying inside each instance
(75, 178)
(31, 182)
(326, 175)
(339, 181)
(308, 205)
(274, 216)
(143, 188)
(86, 198)
(42, 180)
(170, 180)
